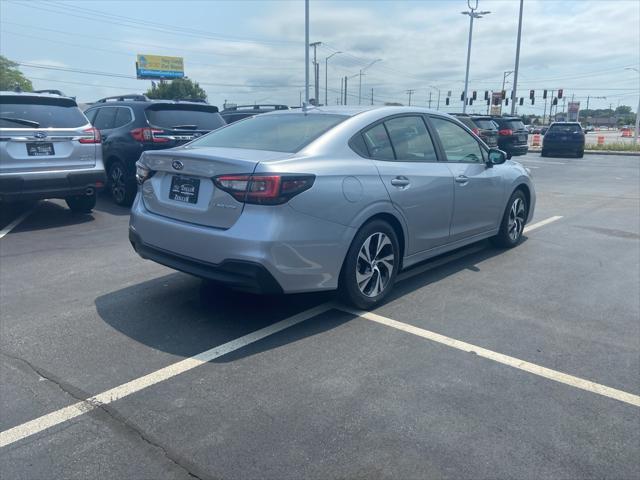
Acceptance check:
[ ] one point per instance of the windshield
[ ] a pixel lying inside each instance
(184, 117)
(35, 112)
(278, 133)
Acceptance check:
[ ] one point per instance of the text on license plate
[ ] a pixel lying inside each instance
(40, 149)
(184, 189)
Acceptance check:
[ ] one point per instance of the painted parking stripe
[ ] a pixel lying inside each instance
(62, 415)
(523, 365)
(542, 223)
(17, 221)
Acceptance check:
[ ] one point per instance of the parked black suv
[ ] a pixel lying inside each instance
(233, 113)
(482, 125)
(131, 124)
(512, 136)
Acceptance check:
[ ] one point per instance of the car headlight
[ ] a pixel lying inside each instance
(143, 173)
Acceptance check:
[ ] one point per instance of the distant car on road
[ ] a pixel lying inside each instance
(564, 137)
(512, 136)
(132, 124)
(331, 198)
(48, 149)
(481, 125)
(239, 112)
(588, 129)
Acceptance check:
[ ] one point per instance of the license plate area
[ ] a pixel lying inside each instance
(522, 138)
(40, 149)
(184, 189)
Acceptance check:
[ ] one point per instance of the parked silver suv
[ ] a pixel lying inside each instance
(48, 149)
(295, 201)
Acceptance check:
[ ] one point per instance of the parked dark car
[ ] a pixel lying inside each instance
(512, 136)
(132, 124)
(564, 138)
(482, 125)
(239, 112)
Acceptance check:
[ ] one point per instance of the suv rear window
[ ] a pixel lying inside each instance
(39, 112)
(485, 123)
(194, 117)
(467, 122)
(512, 124)
(566, 128)
(278, 133)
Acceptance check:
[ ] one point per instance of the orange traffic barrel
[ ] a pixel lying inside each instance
(600, 139)
(536, 140)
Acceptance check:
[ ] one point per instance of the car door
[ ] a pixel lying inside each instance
(419, 186)
(478, 188)
(104, 121)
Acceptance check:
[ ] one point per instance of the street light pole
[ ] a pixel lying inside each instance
(360, 85)
(438, 101)
(306, 54)
(635, 135)
(472, 14)
(326, 75)
(515, 72)
(315, 70)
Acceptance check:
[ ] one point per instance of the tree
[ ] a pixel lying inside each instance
(180, 88)
(12, 78)
(623, 110)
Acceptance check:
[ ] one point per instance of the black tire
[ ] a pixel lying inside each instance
(580, 154)
(122, 186)
(364, 296)
(543, 153)
(81, 203)
(507, 237)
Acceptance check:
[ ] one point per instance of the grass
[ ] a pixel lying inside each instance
(615, 147)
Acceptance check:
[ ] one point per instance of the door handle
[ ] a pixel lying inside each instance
(400, 182)
(462, 179)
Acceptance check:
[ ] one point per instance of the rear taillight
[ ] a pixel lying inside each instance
(264, 189)
(476, 131)
(92, 135)
(148, 135)
(506, 131)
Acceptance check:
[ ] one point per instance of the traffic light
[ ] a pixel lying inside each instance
(449, 93)
(532, 93)
(521, 100)
(533, 101)
(486, 94)
(488, 102)
(504, 94)
(474, 96)
(555, 101)
(471, 101)
(560, 93)
(462, 97)
(446, 101)
(544, 94)
(506, 102)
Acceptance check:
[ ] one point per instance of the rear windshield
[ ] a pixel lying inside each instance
(513, 124)
(485, 123)
(278, 133)
(184, 117)
(467, 121)
(566, 128)
(38, 112)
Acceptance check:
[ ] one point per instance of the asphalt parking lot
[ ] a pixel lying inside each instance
(484, 364)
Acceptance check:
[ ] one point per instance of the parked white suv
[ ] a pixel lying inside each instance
(48, 149)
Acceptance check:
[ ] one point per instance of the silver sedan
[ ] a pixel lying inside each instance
(328, 198)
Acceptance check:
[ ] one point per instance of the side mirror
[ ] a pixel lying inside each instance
(496, 157)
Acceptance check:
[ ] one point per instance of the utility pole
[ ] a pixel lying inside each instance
(326, 75)
(472, 14)
(345, 89)
(429, 100)
(410, 92)
(545, 110)
(635, 135)
(341, 89)
(316, 69)
(361, 73)
(372, 96)
(306, 54)
(438, 101)
(515, 73)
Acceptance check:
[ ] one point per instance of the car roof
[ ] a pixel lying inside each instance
(351, 111)
(34, 94)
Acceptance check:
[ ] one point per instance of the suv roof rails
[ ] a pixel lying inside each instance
(51, 91)
(136, 97)
(273, 106)
(193, 100)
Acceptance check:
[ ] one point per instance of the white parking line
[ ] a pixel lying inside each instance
(64, 414)
(542, 223)
(17, 221)
(554, 375)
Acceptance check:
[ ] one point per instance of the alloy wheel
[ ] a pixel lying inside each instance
(516, 219)
(118, 187)
(374, 267)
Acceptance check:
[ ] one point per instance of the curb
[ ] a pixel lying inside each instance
(599, 152)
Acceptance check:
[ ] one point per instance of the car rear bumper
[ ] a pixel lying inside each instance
(515, 150)
(563, 146)
(269, 249)
(21, 186)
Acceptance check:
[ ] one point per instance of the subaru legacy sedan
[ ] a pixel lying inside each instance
(329, 198)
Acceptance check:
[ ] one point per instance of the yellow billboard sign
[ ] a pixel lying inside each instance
(159, 66)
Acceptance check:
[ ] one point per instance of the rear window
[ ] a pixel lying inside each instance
(278, 133)
(190, 117)
(485, 123)
(512, 124)
(467, 122)
(38, 112)
(566, 128)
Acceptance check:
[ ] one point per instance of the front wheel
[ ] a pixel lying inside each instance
(513, 220)
(370, 268)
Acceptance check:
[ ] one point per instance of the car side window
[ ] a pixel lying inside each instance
(378, 143)
(106, 118)
(458, 144)
(410, 139)
(123, 116)
(91, 115)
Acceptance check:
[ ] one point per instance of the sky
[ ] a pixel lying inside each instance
(253, 51)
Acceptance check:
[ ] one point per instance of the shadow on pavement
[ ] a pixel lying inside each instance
(182, 315)
(107, 205)
(48, 214)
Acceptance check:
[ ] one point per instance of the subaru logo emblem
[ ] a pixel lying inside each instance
(177, 165)
(40, 135)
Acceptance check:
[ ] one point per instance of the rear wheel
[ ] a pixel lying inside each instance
(370, 268)
(580, 154)
(513, 220)
(81, 203)
(543, 153)
(121, 186)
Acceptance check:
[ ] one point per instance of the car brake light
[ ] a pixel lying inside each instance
(264, 189)
(93, 136)
(148, 135)
(476, 131)
(506, 131)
